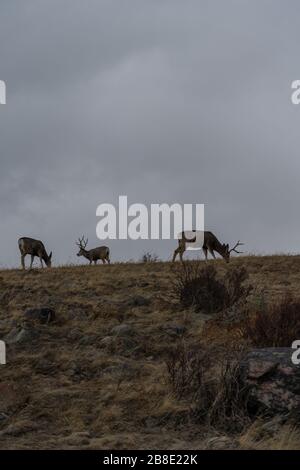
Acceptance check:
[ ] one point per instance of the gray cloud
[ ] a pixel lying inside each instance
(164, 101)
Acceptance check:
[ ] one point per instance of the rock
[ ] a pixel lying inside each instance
(88, 340)
(273, 380)
(122, 330)
(20, 335)
(220, 442)
(43, 314)
(107, 341)
(139, 301)
(122, 370)
(175, 330)
(78, 438)
(74, 335)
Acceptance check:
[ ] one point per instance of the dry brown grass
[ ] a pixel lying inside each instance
(70, 388)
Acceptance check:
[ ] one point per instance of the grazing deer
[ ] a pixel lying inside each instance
(210, 243)
(30, 246)
(102, 252)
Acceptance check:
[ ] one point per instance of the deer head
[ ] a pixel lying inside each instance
(48, 260)
(82, 243)
(227, 251)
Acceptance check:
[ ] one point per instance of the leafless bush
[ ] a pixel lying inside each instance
(273, 325)
(186, 370)
(149, 257)
(198, 286)
(213, 390)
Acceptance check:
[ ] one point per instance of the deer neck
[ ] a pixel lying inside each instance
(86, 253)
(219, 248)
(45, 256)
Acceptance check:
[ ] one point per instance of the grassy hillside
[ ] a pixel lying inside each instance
(75, 383)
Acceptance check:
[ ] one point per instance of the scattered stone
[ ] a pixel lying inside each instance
(78, 438)
(273, 380)
(88, 340)
(107, 341)
(74, 335)
(122, 330)
(220, 442)
(122, 370)
(43, 314)
(21, 335)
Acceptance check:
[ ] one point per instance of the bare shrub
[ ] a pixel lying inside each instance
(186, 370)
(149, 257)
(273, 325)
(198, 286)
(214, 391)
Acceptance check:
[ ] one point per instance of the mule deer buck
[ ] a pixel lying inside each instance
(30, 246)
(102, 252)
(210, 243)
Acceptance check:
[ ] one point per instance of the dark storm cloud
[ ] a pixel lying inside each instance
(165, 101)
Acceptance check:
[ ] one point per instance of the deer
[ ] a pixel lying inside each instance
(101, 253)
(30, 246)
(210, 243)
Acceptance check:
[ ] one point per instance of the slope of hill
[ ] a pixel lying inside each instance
(96, 377)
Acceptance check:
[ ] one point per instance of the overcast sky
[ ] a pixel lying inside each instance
(160, 100)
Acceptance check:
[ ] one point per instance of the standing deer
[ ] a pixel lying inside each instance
(30, 246)
(210, 243)
(102, 252)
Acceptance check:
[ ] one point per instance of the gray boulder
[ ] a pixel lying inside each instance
(122, 330)
(273, 380)
(21, 335)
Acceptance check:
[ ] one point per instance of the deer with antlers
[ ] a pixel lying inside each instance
(93, 255)
(209, 243)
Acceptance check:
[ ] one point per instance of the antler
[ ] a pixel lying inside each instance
(235, 247)
(82, 243)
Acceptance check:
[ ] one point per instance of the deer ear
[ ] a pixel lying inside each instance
(50, 256)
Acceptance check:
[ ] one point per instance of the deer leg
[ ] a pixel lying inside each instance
(41, 261)
(95, 261)
(108, 260)
(103, 260)
(23, 261)
(175, 254)
(212, 253)
(31, 263)
(205, 252)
